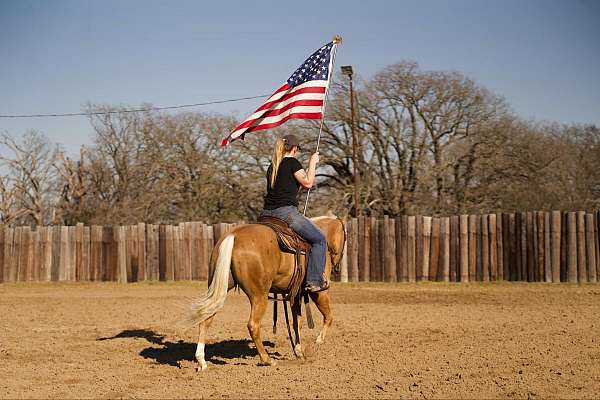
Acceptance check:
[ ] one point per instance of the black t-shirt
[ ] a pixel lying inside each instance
(285, 191)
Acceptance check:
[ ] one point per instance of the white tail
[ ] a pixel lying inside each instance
(207, 305)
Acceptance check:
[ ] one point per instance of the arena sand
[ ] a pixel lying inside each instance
(497, 340)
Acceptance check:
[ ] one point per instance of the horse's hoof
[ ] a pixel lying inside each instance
(268, 363)
(319, 340)
(201, 367)
(299, 352)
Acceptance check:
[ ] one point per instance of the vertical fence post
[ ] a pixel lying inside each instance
(454, 249)
(506, 260)
(547, 249)
(513, 255)
(34, 257)
(365, 254)
(434, 249)
(353, 250)
(564, 247)
(374, 250)
(572, 247)
(121, 254)
(529, 246)
(445, 250)
(597, 236)
(32, 271)
(556, 245)
(79, 251)
(499, 246)
(464, 254)
(389, 231)
(14, 255)
(46, 254)
(412, 247)
(141, 255)
(7, 239)
(419, 247)
(401, 249)
(23, 256)
(2, 263)
(535, 247)
(590, 241)
(95, 251)
(425, 248)
(472, 248)
(479, 247)
(86, 252)
(581, 256)
(493, 252)
(485, 247)
(196, 249)
(161, 249)
(541, 249)
(132, 260)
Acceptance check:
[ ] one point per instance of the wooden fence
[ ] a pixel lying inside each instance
(531, 246)
(534, 246)
(114, 253)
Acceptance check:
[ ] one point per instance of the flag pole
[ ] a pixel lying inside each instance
(337, 39)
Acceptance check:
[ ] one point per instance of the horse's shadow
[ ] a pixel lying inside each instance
(172, 353)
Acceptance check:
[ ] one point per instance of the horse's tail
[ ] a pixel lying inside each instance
(207, 305)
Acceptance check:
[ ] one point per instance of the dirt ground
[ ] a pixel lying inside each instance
(388, 341)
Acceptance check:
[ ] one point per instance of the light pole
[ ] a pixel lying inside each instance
(347, 70)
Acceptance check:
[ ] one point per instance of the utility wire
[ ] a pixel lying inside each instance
(136, 110)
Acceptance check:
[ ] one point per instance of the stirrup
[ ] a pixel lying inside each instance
(316, 289)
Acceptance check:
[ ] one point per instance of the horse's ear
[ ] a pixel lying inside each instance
(345, 219)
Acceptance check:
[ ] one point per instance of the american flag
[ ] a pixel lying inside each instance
(301, 97)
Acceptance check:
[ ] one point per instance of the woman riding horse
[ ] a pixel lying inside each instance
(250, 258)
(284, 178)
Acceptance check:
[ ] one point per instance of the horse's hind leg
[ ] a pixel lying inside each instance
(258, 306)
(321, 299)
(202, 329)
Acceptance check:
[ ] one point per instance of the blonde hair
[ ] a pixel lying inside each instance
(280, 149)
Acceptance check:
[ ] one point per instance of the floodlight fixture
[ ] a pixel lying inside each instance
(347, 70)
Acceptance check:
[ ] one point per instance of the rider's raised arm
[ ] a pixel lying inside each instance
(307, 178)
(303, 178)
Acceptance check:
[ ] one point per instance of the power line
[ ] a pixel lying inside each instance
(136, 110)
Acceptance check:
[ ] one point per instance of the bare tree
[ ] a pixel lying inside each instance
(29, 165)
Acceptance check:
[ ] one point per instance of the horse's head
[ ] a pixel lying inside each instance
(334, 229)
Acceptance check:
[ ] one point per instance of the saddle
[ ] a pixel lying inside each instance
(290, 242)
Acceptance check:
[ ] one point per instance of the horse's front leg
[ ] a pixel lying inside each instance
(297, 324)
(321, 299)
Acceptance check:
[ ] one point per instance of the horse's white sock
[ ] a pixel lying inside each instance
(200, 356)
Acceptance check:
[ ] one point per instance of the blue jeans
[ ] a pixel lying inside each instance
(312, 234)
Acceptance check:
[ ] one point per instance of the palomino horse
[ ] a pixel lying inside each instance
(249, 257)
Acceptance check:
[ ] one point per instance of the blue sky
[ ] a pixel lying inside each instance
(543, 56)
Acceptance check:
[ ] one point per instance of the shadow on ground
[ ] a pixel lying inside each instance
(172, 353)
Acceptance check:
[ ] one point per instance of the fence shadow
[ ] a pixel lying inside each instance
(172, 353)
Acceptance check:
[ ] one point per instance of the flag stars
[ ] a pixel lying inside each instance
(314, 67)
